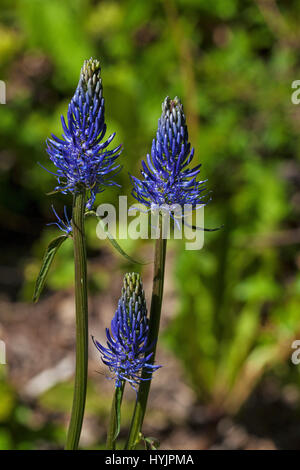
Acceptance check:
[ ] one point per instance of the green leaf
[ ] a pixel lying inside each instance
(46, 263)
(118, 401)
(113, 241)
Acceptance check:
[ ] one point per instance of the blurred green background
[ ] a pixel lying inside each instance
(232, 309)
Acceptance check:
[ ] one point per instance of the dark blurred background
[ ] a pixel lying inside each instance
(231, 310)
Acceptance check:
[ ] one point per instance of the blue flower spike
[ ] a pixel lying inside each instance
(166, 177)
(126, 352)
(81, 156)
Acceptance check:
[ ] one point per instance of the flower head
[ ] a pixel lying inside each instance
(167, 180)
(127, 348)
(81, 156)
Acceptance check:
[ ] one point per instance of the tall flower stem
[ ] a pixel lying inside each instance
(154, 321)
(81, 322)
(114, 422)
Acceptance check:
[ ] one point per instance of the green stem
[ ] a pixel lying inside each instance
(81, 322)
(115, 416)
(154, 321)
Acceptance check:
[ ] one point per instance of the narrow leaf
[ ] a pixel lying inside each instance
(113, 241)
(118, 401)
(46, 263)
